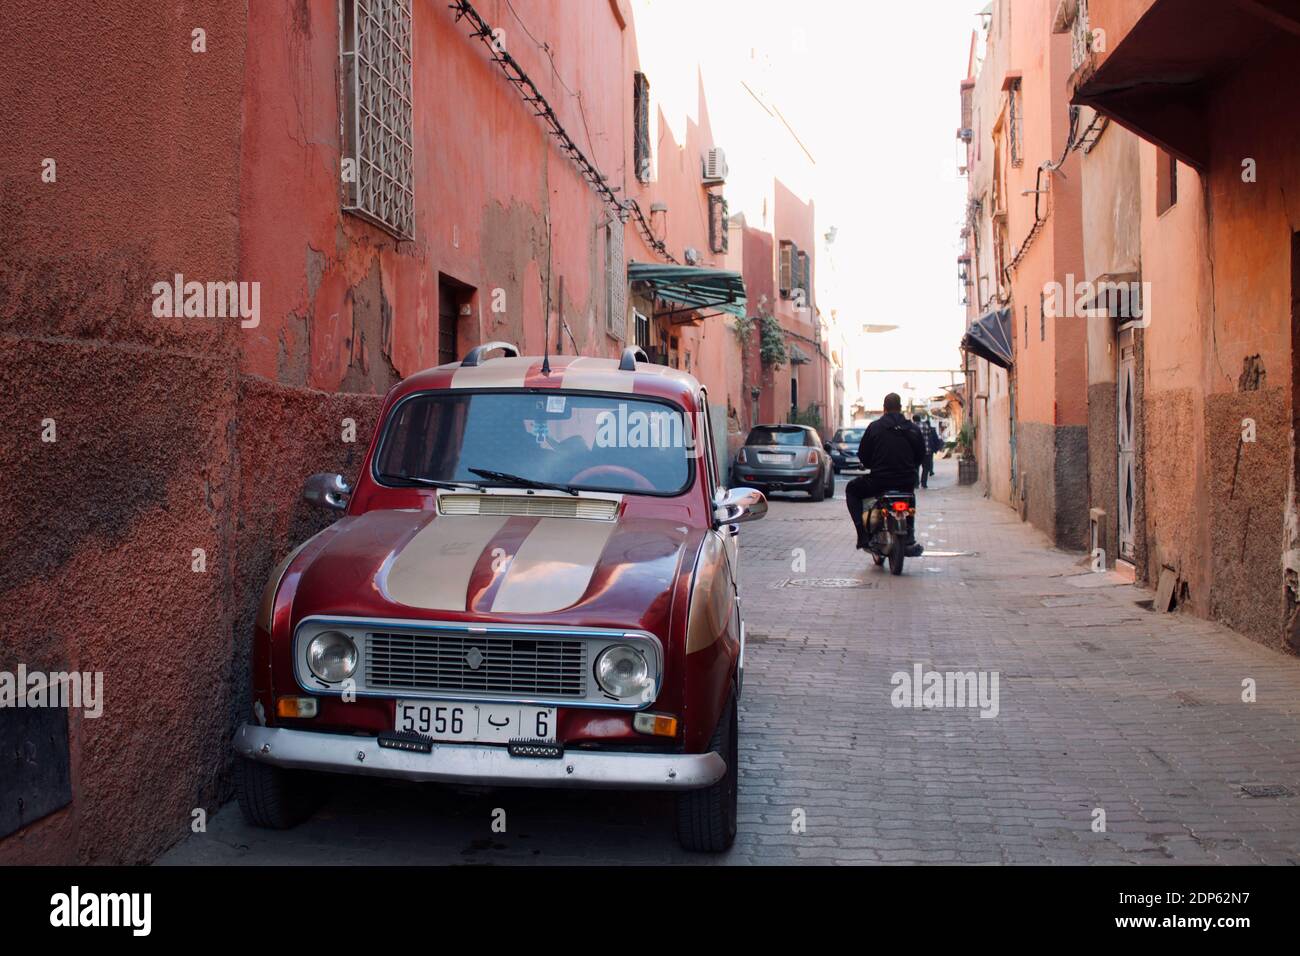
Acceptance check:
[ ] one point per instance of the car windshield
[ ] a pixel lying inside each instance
(849, 435)
(776, 436)
(594, 442)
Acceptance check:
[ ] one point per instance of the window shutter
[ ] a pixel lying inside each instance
(641, 126)
(786, 278)
(717, 223)
(616, 281)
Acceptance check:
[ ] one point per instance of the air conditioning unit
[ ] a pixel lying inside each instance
(715, 166)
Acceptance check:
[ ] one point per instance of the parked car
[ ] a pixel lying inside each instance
(785, 458)
(518, 593)
(843, 448)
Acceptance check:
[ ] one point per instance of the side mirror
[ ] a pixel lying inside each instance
(738, 505)
(327, 490)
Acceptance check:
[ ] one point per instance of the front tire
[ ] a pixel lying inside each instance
(274, 798)
(706, 818)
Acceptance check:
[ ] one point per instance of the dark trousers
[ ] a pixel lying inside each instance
(865, 487)
(925, 470)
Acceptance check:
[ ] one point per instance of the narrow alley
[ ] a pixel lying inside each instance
(1103, 705)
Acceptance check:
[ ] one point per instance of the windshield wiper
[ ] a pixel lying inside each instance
(432, 482)
(521, 481)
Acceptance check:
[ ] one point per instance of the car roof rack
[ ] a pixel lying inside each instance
(475, 355)
(631, 355)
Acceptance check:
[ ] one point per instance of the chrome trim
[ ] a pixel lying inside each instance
(358, 628)
(477, 764)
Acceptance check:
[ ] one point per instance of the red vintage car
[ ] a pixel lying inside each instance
(533, 583)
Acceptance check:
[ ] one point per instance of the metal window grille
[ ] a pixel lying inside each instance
(616, 282)
(377, 124)
(641, 129)
(805, 277)
(717, 223)
(1014, 108)
(1080, 37)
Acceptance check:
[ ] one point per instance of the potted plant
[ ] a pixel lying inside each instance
(967, 467)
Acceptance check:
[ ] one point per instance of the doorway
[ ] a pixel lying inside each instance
(1126, 407)
(453, 296)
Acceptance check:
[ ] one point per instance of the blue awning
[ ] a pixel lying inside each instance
(692, 287)
(989, 337)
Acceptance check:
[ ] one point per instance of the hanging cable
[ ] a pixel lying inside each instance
(542, 109)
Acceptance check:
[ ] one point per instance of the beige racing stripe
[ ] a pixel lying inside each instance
(597, 374)
(553, 567)
(498, 373)
(434, 568)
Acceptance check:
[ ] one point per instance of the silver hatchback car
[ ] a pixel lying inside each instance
(785, 458)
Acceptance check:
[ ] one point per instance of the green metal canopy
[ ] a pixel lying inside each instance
(692, 287)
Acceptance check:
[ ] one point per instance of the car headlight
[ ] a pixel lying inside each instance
(332, 656)
(622, 671)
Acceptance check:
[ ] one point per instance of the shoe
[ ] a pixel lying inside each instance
(914, 550)
(863, 539)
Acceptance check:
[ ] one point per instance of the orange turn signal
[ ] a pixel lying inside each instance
(659, 725)
(295, 707)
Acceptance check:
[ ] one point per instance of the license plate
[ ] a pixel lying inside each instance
(773, 459)
(475, 723)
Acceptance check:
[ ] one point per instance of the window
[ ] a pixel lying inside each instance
(616, 443)
(787, 280)
(1166, 181)
(1042, 317)
(641, 329)
(1014, 129)
(378, 149)
(805, 277)
(641, 126)
(615, 280)
(717, 223)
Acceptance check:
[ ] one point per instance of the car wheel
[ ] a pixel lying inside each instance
(830, 486)
(706, 818)
(818, 492)
(275, 798)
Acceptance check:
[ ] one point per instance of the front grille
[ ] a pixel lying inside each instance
(549, 667)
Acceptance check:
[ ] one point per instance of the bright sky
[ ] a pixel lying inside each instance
(870, 88)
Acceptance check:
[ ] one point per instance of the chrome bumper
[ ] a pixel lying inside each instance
(477, 764)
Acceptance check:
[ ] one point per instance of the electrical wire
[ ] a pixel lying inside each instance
(543, 110)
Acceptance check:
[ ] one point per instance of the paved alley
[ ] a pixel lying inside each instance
(1102, 706)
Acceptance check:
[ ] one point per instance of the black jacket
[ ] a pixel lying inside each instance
(891, 448)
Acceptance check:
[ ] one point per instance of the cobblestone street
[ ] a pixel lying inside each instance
(1102, 705)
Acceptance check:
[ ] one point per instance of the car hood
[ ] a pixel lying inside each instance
(422, 565)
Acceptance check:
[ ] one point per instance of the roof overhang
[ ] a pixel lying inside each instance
(989, 337)
(1155, 81)
(692, 288)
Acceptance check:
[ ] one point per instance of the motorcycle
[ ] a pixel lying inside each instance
(888, 520)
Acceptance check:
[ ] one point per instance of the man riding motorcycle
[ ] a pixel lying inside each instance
(891, 448)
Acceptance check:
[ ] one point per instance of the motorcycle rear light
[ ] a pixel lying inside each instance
(900, 506)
